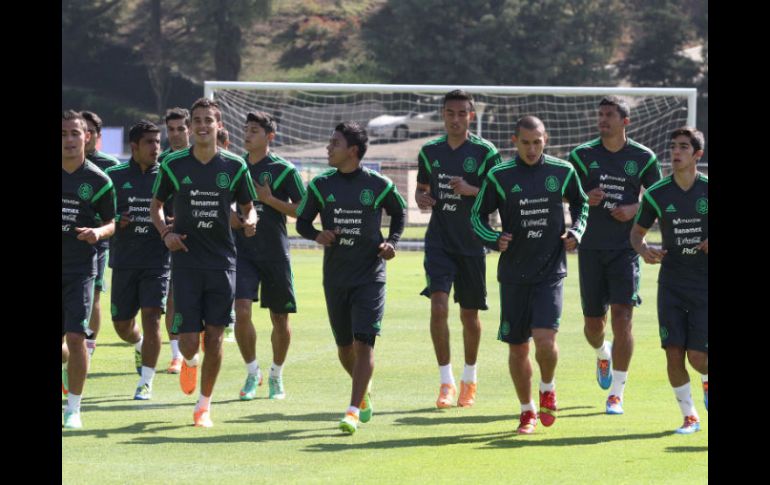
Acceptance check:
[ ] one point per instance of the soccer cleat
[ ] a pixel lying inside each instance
(143, 393)
(614, 405)
(138, 361)
(188, 378)
(64, 382)
(467, 394)
(175, 367)
(249, 390)
(275, 385)
(705, 394)
(604, 373)
(72, 420)
(446, 396)
(547, 412)
(202, 418)
(690, 426)
(527, 422)
(349, 423)
(365, 413)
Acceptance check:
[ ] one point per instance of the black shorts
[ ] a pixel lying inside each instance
(277, 282)
(102, 255)
(608, 277)
(358, 309)
(468, 273)
(133, 289)
(77, 295)
(524, 307)
(202, 296)
(683, 318)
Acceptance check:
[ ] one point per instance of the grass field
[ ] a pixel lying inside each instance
(408, 440)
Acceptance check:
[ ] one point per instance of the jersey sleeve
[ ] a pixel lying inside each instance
(578, 204)
(165, 184)
(648, 211)
(492, 159)
(243, 187)
(104, 202)
(651, 172)
(293, 185)
(486, 203)
(580, 168)
(309, 207)
(423, 168)
(395, 207)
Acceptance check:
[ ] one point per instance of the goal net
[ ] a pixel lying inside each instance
(401, 118)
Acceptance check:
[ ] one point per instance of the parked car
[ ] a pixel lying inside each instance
(402, 127)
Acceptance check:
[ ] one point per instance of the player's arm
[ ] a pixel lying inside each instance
(595, 195)
(462, 187)
(162, 189)
(648, 212)
(249, 222)
(395, 207)
(245, 196)
(295, 189)
(650, 174)
(578, 208)
(422, 192)
(309, 207)
(485, 204)
(105, 206)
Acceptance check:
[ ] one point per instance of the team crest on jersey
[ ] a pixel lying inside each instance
(702, 206)
(367, 197)
(631, 167)
(469, 165)
(265, 178)
(85, 191)
(552, 183)
(223, 180)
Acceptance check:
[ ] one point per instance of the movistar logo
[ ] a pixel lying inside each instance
(516, 188)
(128, 185)
(435, 163)
(671, 208)
(186, 180)
(594, 165)
(331, 198)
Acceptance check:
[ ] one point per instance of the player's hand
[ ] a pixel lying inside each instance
(125, 220)
(249, 228)
(503, 241)
(595, 196)
(424, 200)
(652, 255)
(387, 251)
(462, 187)
(87, 234)
(570, 243)
(235, 220)
(264, 194)
(326, 238)
(624, 213)
(174, 242)
(704, 246)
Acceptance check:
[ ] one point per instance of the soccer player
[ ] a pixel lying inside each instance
(223, 139)
(264, 259)
(204, 181)
(350, 200)
(87, 192)
(528, 191)
(680, 203)
(140, 261)
(612, 170)
(451, 170)
(103, 161)
(178, 132)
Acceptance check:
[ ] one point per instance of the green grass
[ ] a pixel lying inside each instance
(408, 440)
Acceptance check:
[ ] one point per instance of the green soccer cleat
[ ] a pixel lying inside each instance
(349, 423)
(143, 393)
(72, 420)
(138, 361)
(275, 385)
(365, 413)
(249, 390)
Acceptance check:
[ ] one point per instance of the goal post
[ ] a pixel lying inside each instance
(400, 118)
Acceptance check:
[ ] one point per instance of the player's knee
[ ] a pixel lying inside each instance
(242, 310)
(698, 360)
(621, 315)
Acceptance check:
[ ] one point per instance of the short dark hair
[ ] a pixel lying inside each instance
(618, 103)
(93, 118)
(223, 136)
(458, 94)
(528, 122)
(141, 127)
(265, 120)
(178, 114)
(354, 134)
(697, 140)
(70, 114)
(207, 103)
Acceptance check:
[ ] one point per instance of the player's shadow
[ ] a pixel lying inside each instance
(439, 416)
(408, 443)
(133, 406)
(687, 449)
(515, 441)
(212, 436)
(133, 429)
(99, 375)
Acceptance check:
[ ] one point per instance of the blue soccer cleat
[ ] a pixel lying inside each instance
(614, 405)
